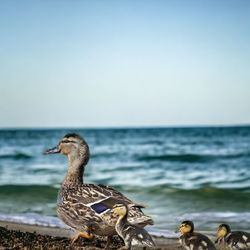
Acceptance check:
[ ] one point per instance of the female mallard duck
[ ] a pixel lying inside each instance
(232, 240)
(191, 240)
(87, 207)
(131, 234)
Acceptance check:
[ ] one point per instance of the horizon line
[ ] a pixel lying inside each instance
(127, 127)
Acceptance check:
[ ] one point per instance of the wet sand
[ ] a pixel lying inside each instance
(21, 236)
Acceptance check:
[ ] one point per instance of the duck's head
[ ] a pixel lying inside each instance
(120, 210)
(223, 230)
(186, 226)
(72, 145)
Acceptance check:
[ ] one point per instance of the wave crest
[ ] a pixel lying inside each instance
(16, 156)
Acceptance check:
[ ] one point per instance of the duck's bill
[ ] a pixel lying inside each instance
(54, 150)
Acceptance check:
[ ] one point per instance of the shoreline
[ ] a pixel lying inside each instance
(25, 236)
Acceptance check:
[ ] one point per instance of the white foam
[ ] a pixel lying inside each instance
(33, 219)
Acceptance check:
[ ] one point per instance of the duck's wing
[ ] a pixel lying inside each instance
(115, 197)
(238, 240)
(197, 241)
(143, 237)
(205, 242)
(91, 194)
(89, 207)
(102, 198)
(135, 216)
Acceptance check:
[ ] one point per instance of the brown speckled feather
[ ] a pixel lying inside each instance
(196, 241)
(237, 240)
(74, 208)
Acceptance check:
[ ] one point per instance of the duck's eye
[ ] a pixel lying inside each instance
(67, 141)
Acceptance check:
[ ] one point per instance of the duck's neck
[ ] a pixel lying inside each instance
(75, 171)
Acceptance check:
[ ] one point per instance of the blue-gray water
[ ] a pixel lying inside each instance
(200, 174)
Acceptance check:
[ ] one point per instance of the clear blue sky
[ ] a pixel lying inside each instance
(124, 63)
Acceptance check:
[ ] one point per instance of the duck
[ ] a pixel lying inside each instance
(232, 240)
(87, 208)
(191, 240)
(131, 234)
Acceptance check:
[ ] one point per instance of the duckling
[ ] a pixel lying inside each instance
(232, 240)
(131, 234)
(87, 207)
(191, 240)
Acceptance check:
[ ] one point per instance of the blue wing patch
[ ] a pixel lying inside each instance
(99, 207)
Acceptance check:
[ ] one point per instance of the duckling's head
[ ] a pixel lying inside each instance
(186, 226)
(223, 230)
(72, 145)
(120, 210)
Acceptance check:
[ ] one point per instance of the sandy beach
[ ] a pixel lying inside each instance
(23, 236)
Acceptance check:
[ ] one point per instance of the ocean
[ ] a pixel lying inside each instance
(201, 174)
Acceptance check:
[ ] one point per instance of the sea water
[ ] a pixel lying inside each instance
(201, 174)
